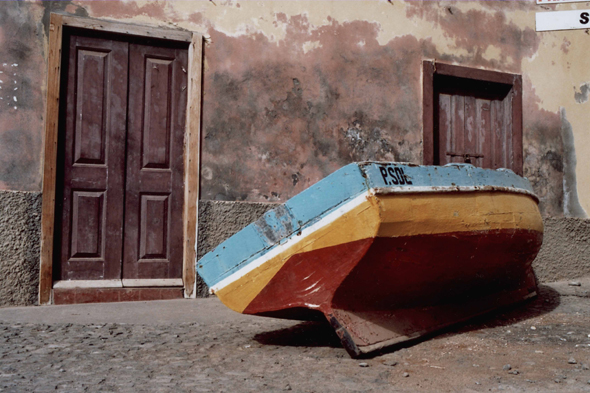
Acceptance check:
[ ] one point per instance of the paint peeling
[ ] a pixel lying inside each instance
(543, 152)
(565, 45)
(582, 95)
(298, 119)
(311, 45)
(571, 204)
(294, 90)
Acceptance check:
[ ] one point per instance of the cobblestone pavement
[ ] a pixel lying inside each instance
(543, 345)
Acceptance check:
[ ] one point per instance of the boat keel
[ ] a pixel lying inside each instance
(365, 333)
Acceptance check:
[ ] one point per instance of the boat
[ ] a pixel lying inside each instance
(386, 252)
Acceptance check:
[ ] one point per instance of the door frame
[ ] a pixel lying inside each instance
(430, 68)
(192, 140)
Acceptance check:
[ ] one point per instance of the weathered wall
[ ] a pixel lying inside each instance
(218, 220)
(293, 90)
(566, 250)
(22, 78)
(20, 231)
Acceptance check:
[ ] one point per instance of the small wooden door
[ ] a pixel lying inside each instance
(476, 117)
(119, 212)
(474, 123)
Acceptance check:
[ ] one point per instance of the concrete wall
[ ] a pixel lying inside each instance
(20, 231)
(566, 250)
(219, 220)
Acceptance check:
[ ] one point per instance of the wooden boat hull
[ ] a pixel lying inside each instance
(389, 266)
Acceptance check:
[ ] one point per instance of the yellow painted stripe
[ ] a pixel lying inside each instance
(397, 215)
(360, 223)
(422, 214)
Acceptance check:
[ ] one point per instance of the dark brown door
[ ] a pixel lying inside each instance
(122, 160)
(154, 191)
(472, 116)
(475, 126)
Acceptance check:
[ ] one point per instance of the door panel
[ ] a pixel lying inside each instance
(93, 192)
(484, 132)
(90, 128)
(158, 90)
(154, 221)
(154, 187)
(457, 132)
(88, 219)
(498, 135)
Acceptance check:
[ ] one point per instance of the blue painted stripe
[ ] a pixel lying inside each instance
(280, 224)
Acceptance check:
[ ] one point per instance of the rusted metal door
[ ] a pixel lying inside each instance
(121, 155)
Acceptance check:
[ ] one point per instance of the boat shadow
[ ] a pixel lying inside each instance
(320, 333)
(305, 334)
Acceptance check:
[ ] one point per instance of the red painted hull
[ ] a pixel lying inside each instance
(381, 291)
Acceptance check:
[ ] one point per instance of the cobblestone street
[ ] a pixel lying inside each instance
(200, 346)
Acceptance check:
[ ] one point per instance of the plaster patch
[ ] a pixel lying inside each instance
(571, 203)
(582, 95)
(311, 45)
(492, 52)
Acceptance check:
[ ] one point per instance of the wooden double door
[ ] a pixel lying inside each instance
(120, 177)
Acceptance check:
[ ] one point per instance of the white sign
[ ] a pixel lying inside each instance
(563, 20)
(560, 1)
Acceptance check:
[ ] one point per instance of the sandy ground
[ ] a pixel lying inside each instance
(199, 345)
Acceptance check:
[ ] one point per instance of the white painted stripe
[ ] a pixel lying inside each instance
(88, 284)
(435, 189)
(327, 220)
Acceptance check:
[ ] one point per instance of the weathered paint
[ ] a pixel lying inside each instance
(417, 240)
(296, 89)
(346, 199)
(571, 202)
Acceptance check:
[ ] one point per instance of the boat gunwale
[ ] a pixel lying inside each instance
(448, 189)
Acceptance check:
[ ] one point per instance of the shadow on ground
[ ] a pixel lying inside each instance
(321, 334)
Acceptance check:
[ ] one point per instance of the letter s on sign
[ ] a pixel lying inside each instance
(584, 18)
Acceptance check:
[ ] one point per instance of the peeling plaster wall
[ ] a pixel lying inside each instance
(20, 228)
(22, 78)
(293, 90)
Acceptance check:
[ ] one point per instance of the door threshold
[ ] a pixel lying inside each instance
(114, 294)
(124, 283)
